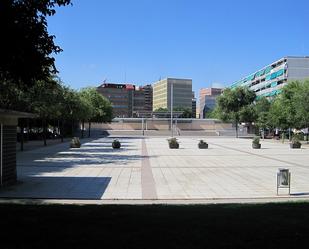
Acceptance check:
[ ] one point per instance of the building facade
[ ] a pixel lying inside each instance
(128, 100)
(207, 98)
(121, 98)
(269, 80)
(193, 105)
(142, 101)
(182, 94)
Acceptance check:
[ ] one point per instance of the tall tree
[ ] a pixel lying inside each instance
(26, 47)
(101, 108)
(44, 99)
(283, 110)
(234, 105)
(301, 104)
(262, 107)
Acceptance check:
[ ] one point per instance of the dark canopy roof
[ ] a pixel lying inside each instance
(16, 114)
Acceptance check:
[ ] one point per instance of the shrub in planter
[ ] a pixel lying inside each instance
(256, 143)
(116, 144)
(173, 143)
(75, 143)
(295, 143)
(202, 145)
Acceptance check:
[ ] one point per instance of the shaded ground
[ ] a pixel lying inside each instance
(155, 226)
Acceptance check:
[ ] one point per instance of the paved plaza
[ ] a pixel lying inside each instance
(146, 169)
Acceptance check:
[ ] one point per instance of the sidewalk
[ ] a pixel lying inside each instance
(36, 144)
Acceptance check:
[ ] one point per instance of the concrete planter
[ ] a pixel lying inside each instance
(116, 144)
(75, 143)
(295, 145)
(256, 146)
(173, 145)
(203, 145)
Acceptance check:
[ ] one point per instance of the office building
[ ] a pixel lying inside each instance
(269, 80)
(193, 105)
(182, 93)
(207, 99)
(142, 101)
(121, 98)
(128, 100)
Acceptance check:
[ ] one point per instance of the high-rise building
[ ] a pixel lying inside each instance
(120, 96)
(208, 100)
(182, 93)
(142, 101)
(128, 100)
(269, 80)
(193, 105)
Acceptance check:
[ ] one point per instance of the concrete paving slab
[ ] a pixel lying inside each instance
(146, 169)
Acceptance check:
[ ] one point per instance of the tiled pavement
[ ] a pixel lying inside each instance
(148, 169)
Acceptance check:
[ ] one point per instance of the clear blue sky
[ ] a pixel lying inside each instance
(139, 41)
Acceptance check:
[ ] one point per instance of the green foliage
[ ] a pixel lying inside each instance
(186, 112)
(236, 105)
(26, 46)
(44, 99)
(233, 104)
(212, 114)
(101, 108)
(116, 144)
(161, 109)
(261, 108)
(202, 142)
(289, 109)
(301, 105)
(256, 140)
(173, 141)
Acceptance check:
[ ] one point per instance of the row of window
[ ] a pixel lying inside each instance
(264, 71)
(270, 85)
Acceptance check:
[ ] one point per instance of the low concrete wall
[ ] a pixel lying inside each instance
(163, 124)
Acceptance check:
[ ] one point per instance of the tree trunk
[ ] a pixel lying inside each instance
(72, 127)
(62, 130)
(54, 129)
(83, 127)
(44, 132)
(236, 127)
(21, 136)
(89, 127)
(28, 130)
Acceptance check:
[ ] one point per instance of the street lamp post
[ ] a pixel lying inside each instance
(172, 108)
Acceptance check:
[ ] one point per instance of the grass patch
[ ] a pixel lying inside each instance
(284, 225)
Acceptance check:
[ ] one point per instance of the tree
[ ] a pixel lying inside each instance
(212, 114)
(234, 105)
(284, 112)
(262, 107)
(101, 108)
(301, 104)
(26, 46)
(161, 109)
(44, 99)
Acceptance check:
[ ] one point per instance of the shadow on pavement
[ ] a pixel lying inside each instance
(58, 187)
